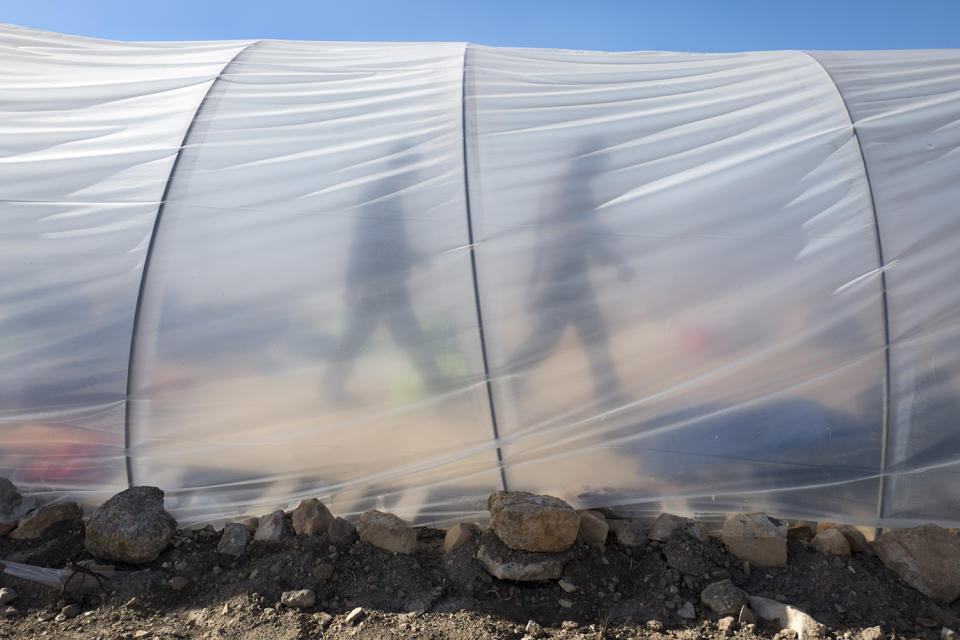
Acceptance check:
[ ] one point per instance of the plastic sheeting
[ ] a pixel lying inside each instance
(406, 275)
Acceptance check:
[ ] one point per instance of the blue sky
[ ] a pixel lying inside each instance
(678, 25)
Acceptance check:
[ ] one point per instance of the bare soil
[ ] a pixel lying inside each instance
(431, 594)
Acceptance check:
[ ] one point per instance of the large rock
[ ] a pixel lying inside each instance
(527, 522)
(272, 527)
(131, 527)
(724, 598)
(311, 517)
(594, 528)
(387, 531)
(832, 542)
(757, 538)
(855, 538)
(668, 525)
(505, 563)
(47, 520)
(12, 506)
(234, 540)
(342, 531)
(788, 617)
(926, 557)
(630, 533)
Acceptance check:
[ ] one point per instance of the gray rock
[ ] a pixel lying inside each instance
(872, 633)
(131, 527)
(926, 557)
(46, 520)
(946, 633)
(566, 604)
(668, 525)
(593, 528)
(7, 595)
(832, 542)
(9, 612)
(71, 611)
(505, 563)
(724, 598)
(272, 528)
(569, 587)
(855, 538)
(387, 531)
(234, 540)
(354, 616)
(12, 506)
(342, 531)
(756, 538)
(687, 611)
(178, 583)
(311, 517)
(528, 522)
(789, 618)
(301, 598)
(631, 534)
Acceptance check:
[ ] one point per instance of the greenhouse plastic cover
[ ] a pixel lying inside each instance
(406, 275)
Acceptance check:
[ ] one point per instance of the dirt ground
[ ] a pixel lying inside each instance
(191, 591)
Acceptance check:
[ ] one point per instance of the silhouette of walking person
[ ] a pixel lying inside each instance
(380, 263)
(570, 239)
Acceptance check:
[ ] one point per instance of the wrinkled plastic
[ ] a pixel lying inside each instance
(406, 275)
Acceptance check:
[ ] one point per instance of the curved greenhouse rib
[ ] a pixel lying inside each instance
(473, 268)
(885, 416)
(149, 255)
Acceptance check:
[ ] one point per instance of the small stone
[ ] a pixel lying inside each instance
(354, 616)
(926, 622)
(7, 595)
(593, 528)
(566, 604)
(323, 620)
(234, 540)
(142, 633)
(855, 538)
(727, 624)
(226, 609)
(70, 611)
(323, 571)
(800, 531)
(790, 618)
(528, 522)
(757, 538)
(947, 633)
(131, 527)
(9, 612)
(832, 542)
(387, 531)
(46, 519)
(272, 528)
(300, 598)
(504, 563)
(458, 535)
(311, 517)
(667, 526)
(724, 598)
(342, 532)
(178, 583)
(569, 625)
(654, 625)
(872, 633)
(534, 629)
(631, 534)
(687, 611)
(566, 586)
(926, 557)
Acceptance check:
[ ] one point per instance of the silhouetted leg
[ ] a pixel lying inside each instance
(362, 318)
(592, 330)
(405, 329)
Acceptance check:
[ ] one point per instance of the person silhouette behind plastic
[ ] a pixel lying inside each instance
(570, 239)
(380, 263)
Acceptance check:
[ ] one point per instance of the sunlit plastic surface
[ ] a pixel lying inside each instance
(659, 277)
(906, 107)
(88, 133)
